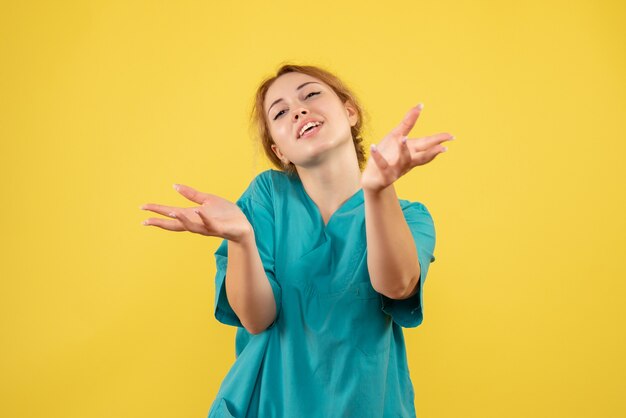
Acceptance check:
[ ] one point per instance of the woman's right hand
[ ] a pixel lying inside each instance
(214, 217)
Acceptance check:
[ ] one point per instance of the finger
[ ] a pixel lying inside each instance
(160, 209)
(409, 121)
(405, 152)
(378, 158)
(422, 144)
(191, 193)
(187, 223)
(169, 224)
(435, 151)
(427, 156)
(206, 220)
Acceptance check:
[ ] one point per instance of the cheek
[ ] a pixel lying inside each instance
(336, 111)
(281, 132)
(278, 135)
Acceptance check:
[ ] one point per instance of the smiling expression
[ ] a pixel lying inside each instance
(295, 99)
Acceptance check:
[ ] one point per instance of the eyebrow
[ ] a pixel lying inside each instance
(297, 88)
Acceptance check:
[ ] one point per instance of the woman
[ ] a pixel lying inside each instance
(325, 264)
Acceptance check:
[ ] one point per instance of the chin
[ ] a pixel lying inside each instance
(317, 152)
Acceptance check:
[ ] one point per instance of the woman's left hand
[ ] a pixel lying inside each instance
(396, 154)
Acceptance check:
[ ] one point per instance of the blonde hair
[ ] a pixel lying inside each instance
(259, 121)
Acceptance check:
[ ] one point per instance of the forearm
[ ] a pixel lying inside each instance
(247, 286)
(391, 254)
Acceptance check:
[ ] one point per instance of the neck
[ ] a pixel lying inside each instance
(331, 182)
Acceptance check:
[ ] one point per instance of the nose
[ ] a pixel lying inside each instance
(301, 112)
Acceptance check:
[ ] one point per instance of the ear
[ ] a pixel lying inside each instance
(279, 154)
(353, 116)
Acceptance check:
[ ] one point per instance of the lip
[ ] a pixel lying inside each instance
(311, 132)
(304, 122)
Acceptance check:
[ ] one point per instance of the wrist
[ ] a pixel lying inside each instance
(246, 237)
(377, 192)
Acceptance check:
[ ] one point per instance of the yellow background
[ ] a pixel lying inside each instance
(105, 104)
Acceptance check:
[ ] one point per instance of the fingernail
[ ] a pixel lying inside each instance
(197, 210)
(144, 223)
(176, 186)
(452, 138)
(373, 148)
(172, 214)
(404, 139)
(141, 207)
(420, 106)
(445, 149)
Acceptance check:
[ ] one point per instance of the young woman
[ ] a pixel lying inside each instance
(321, 265)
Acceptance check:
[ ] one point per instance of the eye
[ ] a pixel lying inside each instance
(313, 93)
(278, 114)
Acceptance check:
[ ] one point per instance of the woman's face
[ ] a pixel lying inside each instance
(291, 101)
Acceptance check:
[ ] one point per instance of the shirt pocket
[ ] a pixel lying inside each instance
(356, 318)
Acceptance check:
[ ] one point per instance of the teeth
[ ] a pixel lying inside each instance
(305, 127)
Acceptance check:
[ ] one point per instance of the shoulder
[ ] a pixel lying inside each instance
(415, 211)
(267, 181)
(264, 187)
(270, 178)
(413, 206)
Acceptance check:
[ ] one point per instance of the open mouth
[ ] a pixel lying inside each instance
(311, 131)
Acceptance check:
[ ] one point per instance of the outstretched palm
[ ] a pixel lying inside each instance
(214, 217)
(396, 154)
